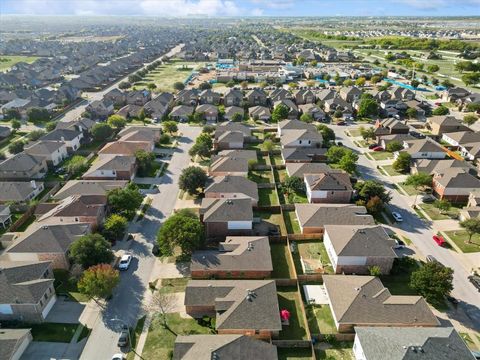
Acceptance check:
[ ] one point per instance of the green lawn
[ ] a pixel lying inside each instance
(261, 146)
(320, 319)
(436, 214)
(267, 197)
(280, 175)
(398, 280)
(273, 219)
(7, 61)
(276, 159)
(460, 238)
(380, 155)
(164, 76)
(354, 132)
(160, 341)
(263, 160)
(339, 351)
(282, 266)
(174, 285)
(297, 198)
(261, 177)
(65, 284)
(294, 353)
(291, 222)
(151, 171)
(134, 335)
(410, 190)
(290, 299)
(314, 255)
(53, 332)
(391, 171)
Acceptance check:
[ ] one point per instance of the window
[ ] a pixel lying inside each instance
(45, 296)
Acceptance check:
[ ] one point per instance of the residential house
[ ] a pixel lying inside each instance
(233, 97)
(384, 140)
(100, 109)
(5, 215)
(301, 169)
(46, 243)
(117, 97)
(338, 104)
(232, 110)
(432, 166)
(256, 97)
(53, 151)
(242, 307)
(439, 125)
(304, 96)
(130, 111)
(88, 187)
(233, 164)
(5, 132)
(461, 137)
(312, 218)
(140, 133)
(23, 166)
(126, 148)
(332, 186)
(404, 343)
(112, 167)
(181, 113)
(234, 347)
(285, 125)
(13, 343)
(454, 184)
(187, 97)
(364, 301)
(70, 137)
(350, 93)
(354, 249)
(139, 97)
(313, 110)
(471, 151)
(303, 154)
(27, 293)
(390, 127)
(223, 217)
(301, 138)
(291, 106)
(280, 94)
(209, 96)
(401, 93)
(19, 191)
(231, 136)
(231, 187)
(238, 257)
(208, 111)
(259, 113)
(21, 105)
(455, 93)
(423, 149)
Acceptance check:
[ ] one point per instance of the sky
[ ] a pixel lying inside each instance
(181, 8)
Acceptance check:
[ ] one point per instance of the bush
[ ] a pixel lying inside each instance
(164, 139)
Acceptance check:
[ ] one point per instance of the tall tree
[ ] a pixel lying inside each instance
(371, 188)
(101, 131)
(91, 249)
(117, 121)
(125, 200)
(183, 230)
(402, 162)
(472, 227)
(419, 181)
(98, 282)
(115, 226)
(192, 180)
(433, 281)
(280, 112)
(170, 127)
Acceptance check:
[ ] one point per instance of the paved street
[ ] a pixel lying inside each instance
(421, 232)
(127, 300)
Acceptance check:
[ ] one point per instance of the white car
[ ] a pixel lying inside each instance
(397, 216)
(118, 356)
(125, 262)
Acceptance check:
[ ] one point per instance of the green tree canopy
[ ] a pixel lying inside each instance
(101, 131)
(115, 226)
(470, 119)
(371, 188)
(293, 184)
(441, 110)
(433, 281)
(125, 200)
(280, 112)
(76, 165)
(170, 126)
(117, 121)
(145, 161)
(37, 115)
(183, 230)
(91, 249)
(471, 226)
(327, 133)
(306, 118)
(402, 162)
(394, 146)
(192, 180)
(98, 282)
(419, 180)
(16, 147)
(367, 107)
(35, 135)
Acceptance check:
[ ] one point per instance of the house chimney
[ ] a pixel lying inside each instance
(33, 184)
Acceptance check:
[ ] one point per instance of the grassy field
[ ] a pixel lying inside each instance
(174, 285)
(291, 222)
(460, 238)
(282, 266)
(290, 299)
(261, 176)
(267, 197)
(164, 76)
(7, 61)
(320, 319)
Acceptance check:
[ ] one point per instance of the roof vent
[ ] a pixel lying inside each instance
(215, 356)
(250, 246)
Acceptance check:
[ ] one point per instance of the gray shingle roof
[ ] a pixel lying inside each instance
(316, 215)
(233, 184)
(302, 154)
(21, 162)
(16, 190)
(289, 136)
(61, 135)
(222, 210)
(88, 187)
(457, 178)
(300, 169)
(295, 125)
(10, 341)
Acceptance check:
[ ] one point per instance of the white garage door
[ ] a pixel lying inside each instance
(49, 306)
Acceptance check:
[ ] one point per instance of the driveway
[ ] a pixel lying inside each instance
(40, 350)
(126, 304)
(65, 311)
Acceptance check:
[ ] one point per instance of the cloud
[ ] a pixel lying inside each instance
(190, 7)
(257, 12)
(437, 4)
(275, 4)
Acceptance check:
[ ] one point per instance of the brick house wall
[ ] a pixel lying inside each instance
(217, 229)
(333, 197)
(312, 230)
(384, 263)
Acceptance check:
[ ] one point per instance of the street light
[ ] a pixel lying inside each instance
(127, 327)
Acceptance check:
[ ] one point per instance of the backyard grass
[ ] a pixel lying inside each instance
(339, 351)
(267, 197)
(314, 257)
(276, 159)
(294, 353)
(460, 238)
(291, 222)
(66, 285)
(320, 319)
(272, 219)
(53, 332)
(280, 175)
(436, 214)
(261, 177)
(174, 285)
(151, 171)
(290, 299)
(262, 147)
(380, 155)
(263, 159)
(297, 198)
(391, 171)
(160, 341)
(282, 266)
(165, 75)
(398, 282)
(7, 61)
(26, 224)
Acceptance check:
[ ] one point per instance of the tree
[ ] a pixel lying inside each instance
(375, 79)
(12, 114)
(35, 135)
(374, 205)
(473, 107)
(335, 153)
(162, 303)
(371, 188)
(367, 133)
(367, 107)
(411, 113)
(414, 83)
(443, 205)
(230, 84)
(402, 162)
(50, 126)
(360, 81)
(145, 160)
(204, 139)
(237, 117)
(208, 129)
(394, 146)
(471, 226)
(151, 86)
(198, 117)
(327, 133)
(115, 226)
(375, 270)
(164, 139)
(178, 86)
(433, 68)
(142, 116)
(76, 165)
(205, 85)
(441, 110)
(348, 162)
(470, 119)
(16, 124)
(36, 115)
(124, 85)
(348, 82)
(98, 282)
(192, 179)
(268, 145)
(419, 181)
(125, 200)
(306, 118)
(280, 113)
(16, 147)
(433, 281)
(471, 78)
(183, 230)
(170, 127)
(101, 131)
(90, 250)
(117, 121)
(244, 85)
(338, 114)
(199, 149)
(293, 184)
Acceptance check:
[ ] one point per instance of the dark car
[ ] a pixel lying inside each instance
(371, 146)
(123, 339)
(342, 123)
(475, 280)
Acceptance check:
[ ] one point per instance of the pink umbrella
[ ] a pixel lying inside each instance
(285, 314)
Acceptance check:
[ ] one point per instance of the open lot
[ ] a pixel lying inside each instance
(7, 61)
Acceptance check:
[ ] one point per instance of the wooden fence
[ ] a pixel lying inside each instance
(22, 219)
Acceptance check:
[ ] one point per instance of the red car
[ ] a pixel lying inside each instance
(377, 148)
(439, 240)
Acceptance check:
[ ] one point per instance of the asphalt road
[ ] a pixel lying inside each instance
(420, 232)
(126, 303)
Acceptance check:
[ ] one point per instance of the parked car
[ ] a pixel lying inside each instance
(372, 146)
(342, 123)
(377, 148)
(439, 240)
(428, 199)
(118, 356)
(123, 339)
(397, 216)
(399, 244)
(431, 258)
(475, 280)
(125, 262)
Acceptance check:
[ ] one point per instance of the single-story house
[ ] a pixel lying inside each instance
(329, 187)
(259, 113)
(294, 125)
(423, 149)
(209, 112)
(231, 111)
(442, 124)
(432, 166)
(181, 113)
(300, 138)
